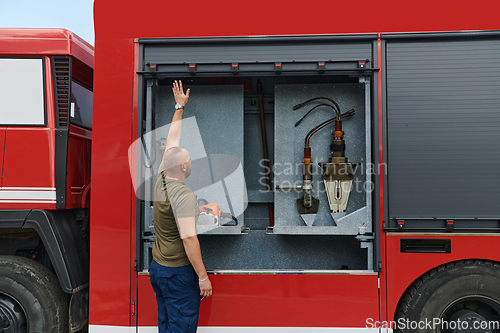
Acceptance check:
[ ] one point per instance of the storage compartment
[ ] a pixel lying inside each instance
(212, 132)
(289, 151)
(222, 131)
(442, 134)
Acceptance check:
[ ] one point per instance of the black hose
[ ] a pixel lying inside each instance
(324, 124)
(336, 111)
(229, 216)
(316, 98)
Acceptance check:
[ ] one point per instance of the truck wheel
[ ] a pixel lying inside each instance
(463, 296)
(31, 299)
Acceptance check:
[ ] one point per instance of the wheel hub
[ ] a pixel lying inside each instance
(471, 314)
(470, 322)
(12, 317)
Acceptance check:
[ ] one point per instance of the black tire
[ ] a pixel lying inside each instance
(459, 295)
(31, 298)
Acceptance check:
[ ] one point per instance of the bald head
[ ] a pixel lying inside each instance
(176, 160)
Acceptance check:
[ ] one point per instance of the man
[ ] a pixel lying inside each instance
(177, 272)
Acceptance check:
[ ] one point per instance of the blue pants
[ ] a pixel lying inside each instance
(178, 296)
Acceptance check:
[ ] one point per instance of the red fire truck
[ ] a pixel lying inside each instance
(392, 223)
(377, 208)
(46, 78)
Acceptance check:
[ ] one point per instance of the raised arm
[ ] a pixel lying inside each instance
(181, 98)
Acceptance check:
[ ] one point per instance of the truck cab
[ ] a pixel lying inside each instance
(46, 79)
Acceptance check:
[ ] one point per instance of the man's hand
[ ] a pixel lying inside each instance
(174, 133)
(211, 208)
(179, 95)
(206, 288)
(193, 252)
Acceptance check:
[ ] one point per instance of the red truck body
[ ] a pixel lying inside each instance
(120, 297)
(410, 248)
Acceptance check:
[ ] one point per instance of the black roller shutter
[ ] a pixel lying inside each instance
(254, 55)
(443, 131)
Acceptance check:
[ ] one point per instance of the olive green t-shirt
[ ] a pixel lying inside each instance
(177, 201)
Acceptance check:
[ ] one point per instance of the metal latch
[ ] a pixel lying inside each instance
(235, 68)
(321, 67)
(192, 68)
(450, 225)
(152, 67)
(401, 224)
(277, 67)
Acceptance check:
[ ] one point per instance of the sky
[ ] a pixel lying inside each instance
(74, 15)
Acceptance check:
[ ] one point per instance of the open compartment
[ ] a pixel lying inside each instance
(290, 139)
(223, 130)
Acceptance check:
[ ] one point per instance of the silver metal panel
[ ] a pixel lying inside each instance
(289, 146)
(212, 131)
(259, 251)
